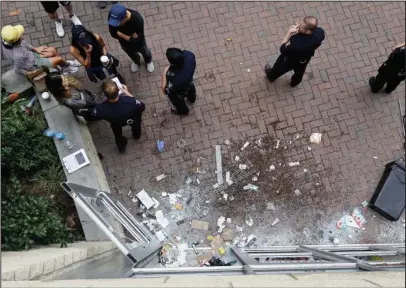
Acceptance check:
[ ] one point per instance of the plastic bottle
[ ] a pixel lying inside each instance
(68, 144)
(60, 136)
(49, 133)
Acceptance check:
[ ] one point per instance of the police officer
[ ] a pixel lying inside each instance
(120, 109)
(297, 49)
(177, 79)
(391, 73)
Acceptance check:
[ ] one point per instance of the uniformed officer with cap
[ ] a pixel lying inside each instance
(297, 49)
(391, 73)
(120, 109)
(177, 79)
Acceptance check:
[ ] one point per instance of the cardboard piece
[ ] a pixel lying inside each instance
(200, 225)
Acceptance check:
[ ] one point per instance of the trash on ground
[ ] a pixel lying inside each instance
(227, 234)
(160, 145)
(156, 203)
(270, 206)
(259, 142)
(276, 221)
(304, 170)
(220, 223)
(134, 200)
(375, 157)
(145, 199)
(210, 238)
(219, 166)
(231, 198)
(225, 196)
(228, 220)
(272, 167)
(248, 70)
(309, 148)
(242, 166)
(255, 178)
(202, 259)
(239, 228)
(248, 220)
(350, 236)
(358, 217)
(250, 240)
(197, 181)
(222, 251)
(229, 39)
(297, 192)
(180, 222)
(216, 244)
(172, 198)
(315, 138)
(250, 187)
(228, 178)
(178, 206)
(336, 241)
(164, 194)
(277, 143)
(188, 181)
(160, 177)
(161, 219)
(129, 193)
(291, 164)
(365, 203)
(194, 249)
(160, 235)
(245, 146)
(227, 142)
(181, 143)
(297, 136)
(237, 158)
(200, 225)
(215, 186)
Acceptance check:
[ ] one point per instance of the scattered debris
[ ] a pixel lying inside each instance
(160, 177)
(242, 166)
(270, 206)
(225, 196)
(315, 138)
(197, 181)
(228, 220)
(216, 244)
(194, 249)
(350, 236)
(309, 148)
(229, 39)
(297, 136)
(245, 146)
(160, 235)
(250, 240)
(180, 222)
(181, 143)
(231, 198)
(375, 157)
(297, 192)
(161, 219)
(365, 203)
(134, 200)
(215, 186)
(164, 194)
(272, 167)
(250, 187)
(188, 181)
(219, 165)
(200, 225)
(220, 223)
(14, 13)
(145, 199)
(227, 142)
(358, 217)
(156, 203)
(259, 142)
(291, 164)
(276, 221)
(227, 234)
(129, 193)
(255, 178)
(178, 206)
(336, 241)
(239, 228)
(248, 220)
(248, 70)
(237, 158)
(210, 238)
(222, 251)
(160, 145)
(277, 143)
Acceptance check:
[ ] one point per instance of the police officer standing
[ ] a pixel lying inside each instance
(297, 49)
(391, 73)
(120, 109)
(177, 79)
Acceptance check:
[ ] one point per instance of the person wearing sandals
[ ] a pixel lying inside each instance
(68, 92)
(26, 57)
(89, 49)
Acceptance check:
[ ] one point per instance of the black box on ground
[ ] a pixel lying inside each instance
(389, 196)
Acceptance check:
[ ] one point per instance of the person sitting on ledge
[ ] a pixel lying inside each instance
(27, 58)
(67, 92)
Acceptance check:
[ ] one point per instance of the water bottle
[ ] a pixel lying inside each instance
(68, 144)
(49, 133)
(60, 136)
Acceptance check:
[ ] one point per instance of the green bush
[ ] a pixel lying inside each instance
(28, 219)
(33, 205)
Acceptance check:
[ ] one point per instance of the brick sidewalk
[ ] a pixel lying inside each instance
(232, 42)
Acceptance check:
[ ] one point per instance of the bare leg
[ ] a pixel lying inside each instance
(69, 9)
(54, 16)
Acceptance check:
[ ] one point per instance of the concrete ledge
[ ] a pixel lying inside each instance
(27, 265)
(350, 279)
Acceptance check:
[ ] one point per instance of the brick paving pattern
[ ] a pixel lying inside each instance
(232, 42)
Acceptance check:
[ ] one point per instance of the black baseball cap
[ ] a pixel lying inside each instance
(81, 35)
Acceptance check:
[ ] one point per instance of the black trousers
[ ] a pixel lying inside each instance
(121, 141)
(386, 75)
(132, 52)
(178, 99)
(283, 65)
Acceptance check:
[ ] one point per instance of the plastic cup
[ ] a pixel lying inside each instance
(45, 95)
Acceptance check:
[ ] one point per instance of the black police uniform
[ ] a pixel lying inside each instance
(295, 55)
(391, 73)
(126, 111)
(180, 83)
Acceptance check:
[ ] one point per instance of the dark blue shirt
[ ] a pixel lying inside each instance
(301, 46)
(117, 112)
(179, 80)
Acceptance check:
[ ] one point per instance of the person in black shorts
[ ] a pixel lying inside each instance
(51, 8)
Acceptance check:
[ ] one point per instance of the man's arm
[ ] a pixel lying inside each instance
(292, 31)
(101, 42)
(164, 81)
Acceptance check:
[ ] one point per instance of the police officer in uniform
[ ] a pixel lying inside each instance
(391, 73)
(297, 49)
(120, 109)
(177, 79)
